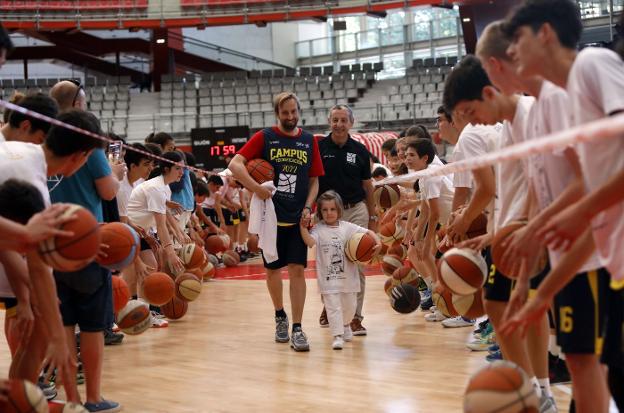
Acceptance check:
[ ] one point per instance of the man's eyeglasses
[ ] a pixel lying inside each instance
(78, 89)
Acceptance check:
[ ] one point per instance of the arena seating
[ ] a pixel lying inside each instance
(67, 5)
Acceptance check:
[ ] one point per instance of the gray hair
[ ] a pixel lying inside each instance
(341, 107)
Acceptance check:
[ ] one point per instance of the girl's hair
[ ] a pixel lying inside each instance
(162, 165)
(329, 196)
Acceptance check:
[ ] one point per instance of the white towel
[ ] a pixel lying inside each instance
(263, 221)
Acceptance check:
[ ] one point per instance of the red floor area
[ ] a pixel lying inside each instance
(255, 271)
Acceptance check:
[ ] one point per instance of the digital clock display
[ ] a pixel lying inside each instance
(215, 147)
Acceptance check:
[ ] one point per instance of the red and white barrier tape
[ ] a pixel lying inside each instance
(601, 129)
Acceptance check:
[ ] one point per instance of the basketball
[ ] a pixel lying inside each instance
(191, 255)
(75, 252)
(391, 232)
(444, 303)
(252, 244)
(260, 170)
(208, 270)
(214, 244)
(462, 270)
(469, 306)
(123, 245)
(386, 196)
(188, 287)
(404, 298)
(390, 263)
(406, 275)
(497, 250)
(390, 283)
(500, 387)
(226, 241)
(230, 258)
(158, 288)
(55, 406)
(175, 309)
(134, 318)
(121, 293)
(478, 226)
(23, 397)
(213, 260)
(360, 247)
(398, 249)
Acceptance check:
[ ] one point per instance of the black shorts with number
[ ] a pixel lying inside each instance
(231, 218)
(290, 248)
(580, 312)
(613, 349)
(211, 213)
(497, 286)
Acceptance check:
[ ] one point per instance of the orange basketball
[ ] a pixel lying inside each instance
(230, 258)
(252, 244)
(444, 302)
(214, 244)
(134, 318)
(390, 263)
(188, 287)
(360, 247)
(123, 245)
(23, 397)
(497, 249)
(398, 249)
(260, 170)
(469, 306)
(191, 255)
(478, 226)
(158, 288)
(501, 386)
(56, 406)
(75, 252)
(406, 275)
(386, 196)
(175, 309)
(391, 232)
(121, 293)
(462, 270)
(389, 284)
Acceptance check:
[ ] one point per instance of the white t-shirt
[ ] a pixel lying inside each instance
(26, 162)
(2, 138)
(474, 140)
(596, 90)
(146, 199)
(123, 195)
(209, 202)
(335, 273)
(440, 188)
(551, 173)
(511, 178)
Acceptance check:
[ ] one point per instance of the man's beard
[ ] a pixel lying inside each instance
(289, 125)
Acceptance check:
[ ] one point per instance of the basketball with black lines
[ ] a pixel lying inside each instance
(404, 298)
(76, 251)
(386, 196)
(260, 170)
(360, 248)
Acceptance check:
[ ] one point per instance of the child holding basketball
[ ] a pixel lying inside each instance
(338, 278)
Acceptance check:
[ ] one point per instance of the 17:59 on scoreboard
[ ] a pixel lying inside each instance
(215, 147)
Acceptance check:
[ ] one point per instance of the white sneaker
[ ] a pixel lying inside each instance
(456, 322)
(433, 309)
(348, 334)
(338, 343)
(435, 316)
(159, 323)
(156, 315)
(548, 405)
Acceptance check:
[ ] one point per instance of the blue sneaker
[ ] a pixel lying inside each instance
(426, 302)
(494, 348)
(105, 406)
(497, 355)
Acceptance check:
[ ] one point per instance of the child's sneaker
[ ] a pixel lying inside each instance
(338, 343)
(348, 334)
(105, 406)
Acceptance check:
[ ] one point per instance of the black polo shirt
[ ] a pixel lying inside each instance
(345, 169)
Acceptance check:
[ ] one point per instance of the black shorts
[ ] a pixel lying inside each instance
(497, 286)
(613, 349)
(9, 304)
(212, 214)
(580, 312)
(86, 298)
(290, 248)
(231, 218)
(144, 245)
(537, 280)
(241, 215)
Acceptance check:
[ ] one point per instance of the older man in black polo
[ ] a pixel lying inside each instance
(348, 171)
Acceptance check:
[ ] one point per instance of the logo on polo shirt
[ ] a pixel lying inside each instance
(351, 158)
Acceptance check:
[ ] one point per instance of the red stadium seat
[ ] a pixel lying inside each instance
(64, 5)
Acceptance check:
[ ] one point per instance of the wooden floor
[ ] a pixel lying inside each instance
(222, 358)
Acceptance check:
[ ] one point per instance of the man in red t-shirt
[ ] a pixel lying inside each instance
(295, 157)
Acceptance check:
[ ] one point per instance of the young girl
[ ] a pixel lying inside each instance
(338, 278)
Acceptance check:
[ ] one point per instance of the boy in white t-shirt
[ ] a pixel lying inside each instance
(545, 35)
(338, 278)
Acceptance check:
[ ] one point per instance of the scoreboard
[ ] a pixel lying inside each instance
(215, 147)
